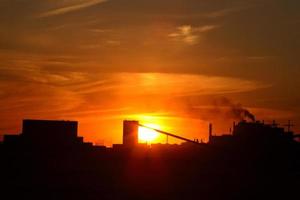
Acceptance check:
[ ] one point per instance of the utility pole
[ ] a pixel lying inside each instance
(289, 126)
(274, 124)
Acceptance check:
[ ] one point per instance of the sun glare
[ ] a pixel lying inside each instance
(148, 135)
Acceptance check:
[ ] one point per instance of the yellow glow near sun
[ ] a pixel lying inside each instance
(152, 120)
(148, 135)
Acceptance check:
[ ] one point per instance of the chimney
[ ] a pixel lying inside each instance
(210, 131)
(233, 128)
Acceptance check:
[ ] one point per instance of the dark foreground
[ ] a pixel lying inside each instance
(162, 172)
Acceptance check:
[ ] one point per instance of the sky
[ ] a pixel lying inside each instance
(177, 63)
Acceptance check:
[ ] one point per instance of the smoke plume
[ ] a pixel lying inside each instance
(235, 110)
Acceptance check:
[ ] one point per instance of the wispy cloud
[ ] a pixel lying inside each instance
(160, 84)
(71, 8)
(231, 10)
(98, 30)
(189, 34)
(222, 13)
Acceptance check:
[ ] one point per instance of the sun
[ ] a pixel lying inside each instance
(147, 135)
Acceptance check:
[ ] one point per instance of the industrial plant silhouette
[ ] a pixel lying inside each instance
(49, 161)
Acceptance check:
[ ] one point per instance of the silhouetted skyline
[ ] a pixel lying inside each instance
(49, 134)
(48, 160)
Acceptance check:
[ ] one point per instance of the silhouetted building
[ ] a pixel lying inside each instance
(48, 160)
(49, 131)
(257, 131)
(221, 140)
(47, 134)
(253, 132)
(11, 139)
(218, 140)
(130, 133)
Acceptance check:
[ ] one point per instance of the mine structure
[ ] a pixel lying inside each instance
(47, 135)
(49, 159)
(55, 135)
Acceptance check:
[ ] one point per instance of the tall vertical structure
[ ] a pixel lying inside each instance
(210, 130)
(130, 133)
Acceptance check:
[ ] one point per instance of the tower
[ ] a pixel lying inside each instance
(130, 133)
(210, 127)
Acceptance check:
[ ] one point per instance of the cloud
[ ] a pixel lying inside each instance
(71, 8)
(99, 30)
(226, 11)
(113, 42)
(162, 84)
(190, 35)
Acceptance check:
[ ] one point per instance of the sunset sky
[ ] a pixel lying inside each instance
(179, 64)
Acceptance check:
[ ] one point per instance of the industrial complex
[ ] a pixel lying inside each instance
(51, 134)
(48, 160)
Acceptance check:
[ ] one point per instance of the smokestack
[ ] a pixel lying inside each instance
(210, 129)
(233, 128)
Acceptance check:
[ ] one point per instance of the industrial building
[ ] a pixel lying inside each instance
(47, 134)
(57, 135)
(253, 132)
(130, 133)
(48, 159)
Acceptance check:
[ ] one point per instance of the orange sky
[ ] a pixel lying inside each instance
(180, 64)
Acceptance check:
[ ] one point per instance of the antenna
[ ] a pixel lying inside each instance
(289, 126)
(274, 124)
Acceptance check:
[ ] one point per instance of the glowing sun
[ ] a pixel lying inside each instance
(147, 135)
